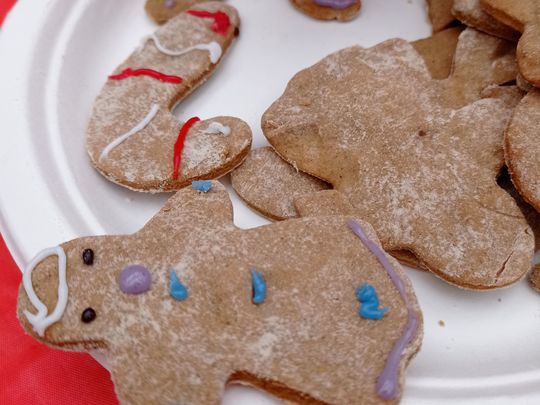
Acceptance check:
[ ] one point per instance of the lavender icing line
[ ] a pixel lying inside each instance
(335, 4)
(388, 381)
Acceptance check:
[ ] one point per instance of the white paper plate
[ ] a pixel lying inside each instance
(55, 56)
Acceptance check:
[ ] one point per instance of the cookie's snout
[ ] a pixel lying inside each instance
(44, 290)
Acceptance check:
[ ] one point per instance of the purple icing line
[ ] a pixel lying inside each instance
(335, 4)
(388, 381)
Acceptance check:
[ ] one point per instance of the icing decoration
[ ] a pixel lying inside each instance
(177, 290)
(88, 315)
(369, 307)
(41, 321)
(259, 287)
(335, 4)
(139, 127)
(135, 279)
(128, 72)
(221, 20)
(388, 381)
(88, 257)
(217, 128)
(213, 48)
(201, 185)
(179, 144)
(169, 3)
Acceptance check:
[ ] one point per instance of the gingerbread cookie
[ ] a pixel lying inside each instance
(419, 162)
(270, 185)
(522, 148)
(133, 138)
(162, 11)
(480, 64)
(342, 10)
(523, 16)
(470, 13)
(440, 14)
(320, 314)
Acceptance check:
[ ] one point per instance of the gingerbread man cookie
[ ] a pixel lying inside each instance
(481, 62)
(522, 148)
(342, 10)
(534, 277)
(419, 162)
(133, 138)
(440, 14)
(523, 16)
(310, 310)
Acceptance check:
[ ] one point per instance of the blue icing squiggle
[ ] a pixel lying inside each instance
(369, 307)
(201, 185)
(177, 290)
(259, 287)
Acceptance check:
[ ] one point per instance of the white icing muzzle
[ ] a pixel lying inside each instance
(40, 321)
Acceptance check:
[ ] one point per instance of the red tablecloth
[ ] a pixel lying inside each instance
(31, 373)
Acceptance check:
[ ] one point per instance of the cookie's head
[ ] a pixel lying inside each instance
(66, 298)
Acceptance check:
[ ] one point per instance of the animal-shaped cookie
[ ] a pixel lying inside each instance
(523, 16)
(133, 138)
(522, 148)
(342, 10)
(470, 13)
(191, 303)
(415, 157)
(270, 185)
(534, 277)
(162, 11)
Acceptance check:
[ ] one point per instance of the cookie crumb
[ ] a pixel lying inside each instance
(441, 323)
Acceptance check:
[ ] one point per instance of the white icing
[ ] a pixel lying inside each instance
(139, 127)
(217, 128)
(40, 321)
(213, 48)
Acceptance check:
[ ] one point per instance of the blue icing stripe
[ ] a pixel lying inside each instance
(369, 307)
(201, 185)
(177, 290)
(259, 287)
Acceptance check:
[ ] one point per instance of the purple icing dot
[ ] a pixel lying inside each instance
(335, 4)
(135, 279)
(169, 3)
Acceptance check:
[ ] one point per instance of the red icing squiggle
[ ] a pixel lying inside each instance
(146, 72)
(221, 20)
(179, 145)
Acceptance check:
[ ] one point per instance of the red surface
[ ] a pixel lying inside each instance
(30, 373)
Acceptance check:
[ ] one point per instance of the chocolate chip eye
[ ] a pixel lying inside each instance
(88, 257)
(88, 315)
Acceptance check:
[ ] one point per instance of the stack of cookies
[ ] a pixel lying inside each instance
(423, 153)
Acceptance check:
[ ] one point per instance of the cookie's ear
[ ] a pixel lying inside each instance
(190, 209)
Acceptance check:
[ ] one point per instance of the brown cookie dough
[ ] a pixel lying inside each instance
(470, 13)
(319, 12)
(522, 148)
(132, 137)
(523, 16)
(162, 11)
(179, 315)
(405, 149)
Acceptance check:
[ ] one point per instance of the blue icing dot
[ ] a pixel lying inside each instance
(177, 290)
(369, 307)
(201, 185)
(259, 287)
